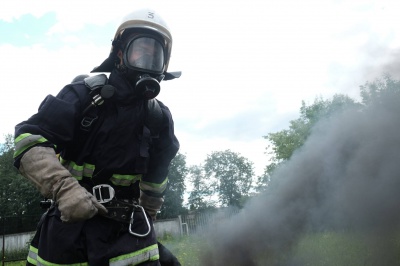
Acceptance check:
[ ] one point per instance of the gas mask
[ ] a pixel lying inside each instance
(143, 64)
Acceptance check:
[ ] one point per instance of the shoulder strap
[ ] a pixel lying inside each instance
(96, 85)
(152, 125)
(154, 117)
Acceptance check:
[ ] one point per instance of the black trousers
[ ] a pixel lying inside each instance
(97, 241)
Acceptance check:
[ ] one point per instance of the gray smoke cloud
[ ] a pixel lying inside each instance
(346, 178)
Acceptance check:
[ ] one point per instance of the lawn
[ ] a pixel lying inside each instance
(320, 249)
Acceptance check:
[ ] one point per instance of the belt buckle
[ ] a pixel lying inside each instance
(103, 193)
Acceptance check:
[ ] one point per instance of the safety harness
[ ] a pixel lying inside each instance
(125, 211)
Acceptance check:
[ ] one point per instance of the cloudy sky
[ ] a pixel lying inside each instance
(246, 65)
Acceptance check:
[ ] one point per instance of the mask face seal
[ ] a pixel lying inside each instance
(145, 54)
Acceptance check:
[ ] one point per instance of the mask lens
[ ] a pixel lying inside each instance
(145, 53)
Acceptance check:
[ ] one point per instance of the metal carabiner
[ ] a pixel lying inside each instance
(131, 222)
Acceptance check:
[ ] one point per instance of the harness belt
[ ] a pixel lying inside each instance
(124, 211)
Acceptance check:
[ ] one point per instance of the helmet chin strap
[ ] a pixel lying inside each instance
(121, 68)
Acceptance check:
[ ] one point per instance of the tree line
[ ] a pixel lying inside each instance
(225, 178)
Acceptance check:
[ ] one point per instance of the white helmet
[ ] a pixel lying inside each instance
(142, 27)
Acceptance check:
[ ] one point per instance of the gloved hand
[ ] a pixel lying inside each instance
(151, 204)
(166, 257)
(41, 166)
(75, 202)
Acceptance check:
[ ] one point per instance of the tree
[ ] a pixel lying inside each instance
(284, 143)
(201, 197)
(18, 196)
(173, 204)
(262, 181)
(374, 92)
(233, 176)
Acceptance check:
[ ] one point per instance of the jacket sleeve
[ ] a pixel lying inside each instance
(163, 150)
(52, 126)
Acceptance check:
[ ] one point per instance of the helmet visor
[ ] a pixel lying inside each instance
(146, 54)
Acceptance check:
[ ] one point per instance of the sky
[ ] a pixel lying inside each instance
(246, 65)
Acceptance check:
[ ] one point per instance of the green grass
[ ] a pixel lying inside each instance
(16, 263)
(16, 255)
(319, 249)
(186, 249)
(337, 249)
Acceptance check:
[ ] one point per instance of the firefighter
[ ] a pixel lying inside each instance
(99, 151)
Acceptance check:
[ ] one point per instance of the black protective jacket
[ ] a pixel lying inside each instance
(121, 147)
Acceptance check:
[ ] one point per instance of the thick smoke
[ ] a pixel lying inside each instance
(346, 178)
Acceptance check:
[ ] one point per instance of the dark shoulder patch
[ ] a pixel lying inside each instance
(95, 82)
